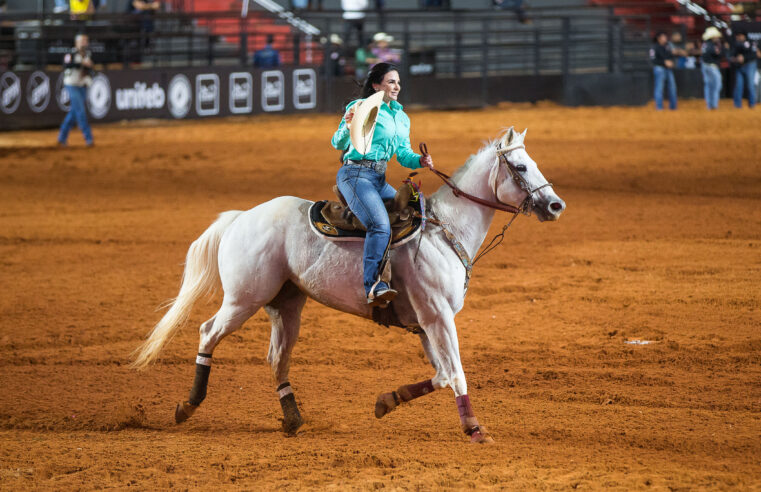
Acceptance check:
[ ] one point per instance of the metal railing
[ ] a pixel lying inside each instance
(449, 43)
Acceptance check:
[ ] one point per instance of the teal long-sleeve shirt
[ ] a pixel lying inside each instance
(392, 136)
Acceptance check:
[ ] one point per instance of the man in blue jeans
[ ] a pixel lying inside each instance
(662, 58)
(744, 55)
(76, 78)
(712, 56)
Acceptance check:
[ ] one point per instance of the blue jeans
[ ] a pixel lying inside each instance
(711, 85)
(77, 114)
(664, 75)
(745, 75)
(364, 191)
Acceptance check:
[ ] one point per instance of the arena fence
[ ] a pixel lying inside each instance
(195, 65)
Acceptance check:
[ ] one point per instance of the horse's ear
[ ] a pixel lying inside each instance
(509, 136)
(522, 136)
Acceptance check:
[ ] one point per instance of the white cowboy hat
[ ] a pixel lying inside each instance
(362, 126)
(711, 33)
(336, 39)
(382, 36)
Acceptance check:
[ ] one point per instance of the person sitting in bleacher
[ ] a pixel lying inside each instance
(267, 57)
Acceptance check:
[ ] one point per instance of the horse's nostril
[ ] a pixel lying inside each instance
(556, 206)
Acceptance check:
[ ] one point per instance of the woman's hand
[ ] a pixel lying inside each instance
(349, 114)
(426, 161)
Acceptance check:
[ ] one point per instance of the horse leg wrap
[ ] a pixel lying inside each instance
(387, 402)
(291, 416)
(186, 409)
(469, 421)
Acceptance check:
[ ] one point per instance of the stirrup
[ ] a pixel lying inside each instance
(382, 298)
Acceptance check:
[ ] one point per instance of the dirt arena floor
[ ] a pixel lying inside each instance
(661, 241)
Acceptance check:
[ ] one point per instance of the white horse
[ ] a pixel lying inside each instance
(269, 257)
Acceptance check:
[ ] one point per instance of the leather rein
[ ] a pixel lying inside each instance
(525, 206)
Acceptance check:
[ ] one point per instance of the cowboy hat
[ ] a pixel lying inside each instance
(382, 36)
(362, 126)
(711, 33)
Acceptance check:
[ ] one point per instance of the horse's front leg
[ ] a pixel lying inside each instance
(442, 334)
(387, 402)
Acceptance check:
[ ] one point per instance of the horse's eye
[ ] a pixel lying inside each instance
(521, 168)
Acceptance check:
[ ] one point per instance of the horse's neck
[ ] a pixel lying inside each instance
(468, 221)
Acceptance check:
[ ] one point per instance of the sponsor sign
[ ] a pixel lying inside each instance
(241, 93)
(62, 95)
(190, 92)
(38, 91)
(180, 96)
(10, 92)
(273, 91)
(99, 96)
(140, 96)
(304, 88)
(207, 94)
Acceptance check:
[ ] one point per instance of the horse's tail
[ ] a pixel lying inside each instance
(200, 278)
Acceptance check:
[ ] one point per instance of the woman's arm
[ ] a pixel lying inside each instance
(341, 138)
(406, 156)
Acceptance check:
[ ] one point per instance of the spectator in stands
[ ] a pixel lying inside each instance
(516, 6)
(363, 60)
(713, 54)
(383, 51)
(267, 57)
(61, 6)
(337, 60)
(662, 58)
(354, 19)
(144, 9)
(77, 76)
(81, 9)
(744, 54)
(690, 61)
(679, 49)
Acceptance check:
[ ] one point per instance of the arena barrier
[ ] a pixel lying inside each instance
(37, 99)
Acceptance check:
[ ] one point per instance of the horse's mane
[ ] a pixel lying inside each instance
(486, 151)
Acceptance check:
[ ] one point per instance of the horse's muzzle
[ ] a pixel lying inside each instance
(548, 210)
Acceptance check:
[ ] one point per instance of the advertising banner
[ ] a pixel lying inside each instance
(34, 99)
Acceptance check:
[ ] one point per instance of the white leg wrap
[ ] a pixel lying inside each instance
(204, 361)
(285, 391)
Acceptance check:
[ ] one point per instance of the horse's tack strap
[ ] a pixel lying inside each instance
(459, 249)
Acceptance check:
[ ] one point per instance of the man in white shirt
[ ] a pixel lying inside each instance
(77, 76)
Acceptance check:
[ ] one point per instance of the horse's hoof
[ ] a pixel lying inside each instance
(384, 404)
(184, 411)
(292, 425)
(481, 436)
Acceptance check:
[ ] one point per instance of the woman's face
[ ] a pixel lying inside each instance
(390, 85)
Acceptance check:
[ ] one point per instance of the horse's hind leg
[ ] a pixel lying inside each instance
(285, 314)
(229, 318)
(387, 402)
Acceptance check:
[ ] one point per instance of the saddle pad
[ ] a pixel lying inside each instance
(399, 236)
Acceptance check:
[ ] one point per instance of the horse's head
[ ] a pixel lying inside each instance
(516, 179)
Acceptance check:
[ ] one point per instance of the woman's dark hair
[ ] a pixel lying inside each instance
(375, 77)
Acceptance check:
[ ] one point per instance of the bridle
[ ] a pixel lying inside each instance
(526, 205)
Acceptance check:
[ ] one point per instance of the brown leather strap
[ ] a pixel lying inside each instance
(459, 193)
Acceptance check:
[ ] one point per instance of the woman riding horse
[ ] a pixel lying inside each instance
(362, 178)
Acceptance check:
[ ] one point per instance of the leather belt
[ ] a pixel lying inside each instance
(377, 166)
